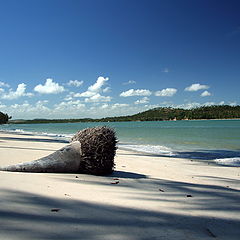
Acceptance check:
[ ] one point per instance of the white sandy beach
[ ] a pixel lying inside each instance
(146, 198)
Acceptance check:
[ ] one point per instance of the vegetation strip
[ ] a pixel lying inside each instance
(155, 114)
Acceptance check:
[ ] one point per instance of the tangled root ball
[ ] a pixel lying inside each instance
(98, 148)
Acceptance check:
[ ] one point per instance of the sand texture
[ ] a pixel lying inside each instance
(146, 198)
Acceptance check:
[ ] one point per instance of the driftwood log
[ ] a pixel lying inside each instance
(91, 151)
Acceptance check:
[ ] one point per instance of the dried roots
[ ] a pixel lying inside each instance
(98, 148)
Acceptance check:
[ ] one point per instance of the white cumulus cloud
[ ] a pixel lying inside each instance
(232, 103)
(50, 87)
(98, 98)
(137, 92)
(107, 89)
(84, 94)
(3, 84)
(188, 105)
(69, 105)
(205, 94)
(119, 105)
(195, 87)
(28, 111)
(129, 82)
(104, 106)
(94, 89)
(209, 104)
(167, 92)
(196, 104)
(144, 100)
(20, 92)
(75, 83)
(2, 106)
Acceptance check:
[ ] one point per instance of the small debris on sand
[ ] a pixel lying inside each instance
(55, 209)
(117, 182)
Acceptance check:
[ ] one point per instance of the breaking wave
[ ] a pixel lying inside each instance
(151, 149)
(233, 162)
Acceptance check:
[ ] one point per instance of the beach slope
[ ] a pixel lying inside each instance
(146, 198)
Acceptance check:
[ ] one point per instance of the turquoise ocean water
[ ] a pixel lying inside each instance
(217, 140)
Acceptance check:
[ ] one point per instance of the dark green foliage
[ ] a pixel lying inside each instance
(215, 112)
(158, 114)
(20, 121)
(161, 114)
(4, 118)
(98, 148)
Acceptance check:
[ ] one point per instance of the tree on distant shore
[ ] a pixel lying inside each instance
(156, 114)
(4, 118)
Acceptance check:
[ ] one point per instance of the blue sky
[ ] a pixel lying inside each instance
(97, 58)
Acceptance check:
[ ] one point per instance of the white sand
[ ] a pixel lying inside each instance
(150, 201)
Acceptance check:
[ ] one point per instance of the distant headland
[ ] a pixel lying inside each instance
(155, 114)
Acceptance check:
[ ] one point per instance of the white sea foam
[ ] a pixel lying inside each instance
(152, 149)
(17, 131)
(233, 162)
(55, 135)
(66, 137)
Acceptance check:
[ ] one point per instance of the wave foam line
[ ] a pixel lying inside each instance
(233, 162)
(152, 149)
(54, 135)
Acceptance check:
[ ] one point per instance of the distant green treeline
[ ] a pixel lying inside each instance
(157, 114)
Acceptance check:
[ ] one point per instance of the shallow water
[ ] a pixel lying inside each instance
(198, 139)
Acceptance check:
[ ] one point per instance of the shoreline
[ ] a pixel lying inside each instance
(31, 121)
(230, 158)
(146, 197)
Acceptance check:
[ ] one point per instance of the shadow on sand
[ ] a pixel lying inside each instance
(122, 174)
(31, 216)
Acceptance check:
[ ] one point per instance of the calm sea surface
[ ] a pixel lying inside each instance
(203, 139)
